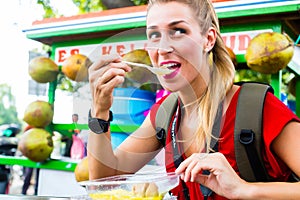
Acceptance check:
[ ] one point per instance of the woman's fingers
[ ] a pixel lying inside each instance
(106, 85)
(97, 71)
(104, 75)
(192, 166)
(110, 74)
(107, 73)
(106, 62)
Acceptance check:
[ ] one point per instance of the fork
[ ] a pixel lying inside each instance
(155, 70)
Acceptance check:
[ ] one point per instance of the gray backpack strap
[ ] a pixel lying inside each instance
(248, 131)
(164, 115)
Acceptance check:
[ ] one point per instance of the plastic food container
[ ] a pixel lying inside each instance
(134, 186)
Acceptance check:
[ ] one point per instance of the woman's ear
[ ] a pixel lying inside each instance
(211, 37)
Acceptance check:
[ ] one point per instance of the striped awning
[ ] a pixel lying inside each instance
(133, 17)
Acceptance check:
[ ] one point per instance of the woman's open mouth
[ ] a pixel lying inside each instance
(173, 67)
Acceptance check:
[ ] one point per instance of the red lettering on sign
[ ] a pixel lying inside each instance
(106, 50)
(229, 41)
(232, 42)
(132, 47)
(61, 55)
(120, 49)
(244, 42)
(74, 51)
(238, 43)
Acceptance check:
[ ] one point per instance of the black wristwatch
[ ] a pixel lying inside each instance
(99, 126)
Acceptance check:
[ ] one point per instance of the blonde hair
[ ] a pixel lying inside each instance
(222, 71)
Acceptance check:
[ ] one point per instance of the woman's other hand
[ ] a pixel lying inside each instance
(222, 179)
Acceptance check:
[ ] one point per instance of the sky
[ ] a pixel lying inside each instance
(16, 15)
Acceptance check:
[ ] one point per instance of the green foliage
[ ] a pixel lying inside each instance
(67, 85)
(87, 6)
(8, 111)
(140, 2)
(287, 77)
(250, 75)
(49, 11)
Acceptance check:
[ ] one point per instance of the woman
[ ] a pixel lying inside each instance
(184, 36)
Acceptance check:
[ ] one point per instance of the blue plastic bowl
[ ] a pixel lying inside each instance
(131, 105)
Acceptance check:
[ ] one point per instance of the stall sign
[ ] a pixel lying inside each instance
(93, 51)
(237, 41)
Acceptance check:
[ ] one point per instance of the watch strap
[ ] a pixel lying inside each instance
(109, 119)
(97, 125)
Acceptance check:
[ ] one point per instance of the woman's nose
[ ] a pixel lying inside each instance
(165, 46)
(165, 50)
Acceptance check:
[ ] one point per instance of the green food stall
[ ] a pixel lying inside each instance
(121, 30)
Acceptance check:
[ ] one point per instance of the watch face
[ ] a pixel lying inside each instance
(98, 126)
(95, 126)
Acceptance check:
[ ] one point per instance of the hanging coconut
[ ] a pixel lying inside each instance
(38, 114)
(75, 67)
(138, 74)
(43, 69)
(36, 144)
(137, 56)
(269, 52)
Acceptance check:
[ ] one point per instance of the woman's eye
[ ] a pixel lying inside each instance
(153, 35)
(177, 32)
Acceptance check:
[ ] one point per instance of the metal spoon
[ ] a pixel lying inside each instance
(155, 70)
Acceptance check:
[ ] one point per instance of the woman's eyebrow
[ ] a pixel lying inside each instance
(152, 27)
(177, 22)
(174, 23)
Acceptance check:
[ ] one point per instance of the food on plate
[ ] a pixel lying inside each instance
(140, 191)
(132, 186)
(145, 190)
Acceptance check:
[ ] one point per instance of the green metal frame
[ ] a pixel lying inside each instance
(48, 164)
(258, 11)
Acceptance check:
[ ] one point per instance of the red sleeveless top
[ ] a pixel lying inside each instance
(275, 116)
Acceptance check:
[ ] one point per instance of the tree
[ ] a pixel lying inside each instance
(8, 111)
(87, 6)
(49, 11)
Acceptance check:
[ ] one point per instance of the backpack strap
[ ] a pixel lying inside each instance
(162, 122)
(164, 115)
(248, 131)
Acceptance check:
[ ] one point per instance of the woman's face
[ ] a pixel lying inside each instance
(174, 40)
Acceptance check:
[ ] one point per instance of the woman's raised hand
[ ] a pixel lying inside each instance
(104, 75)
